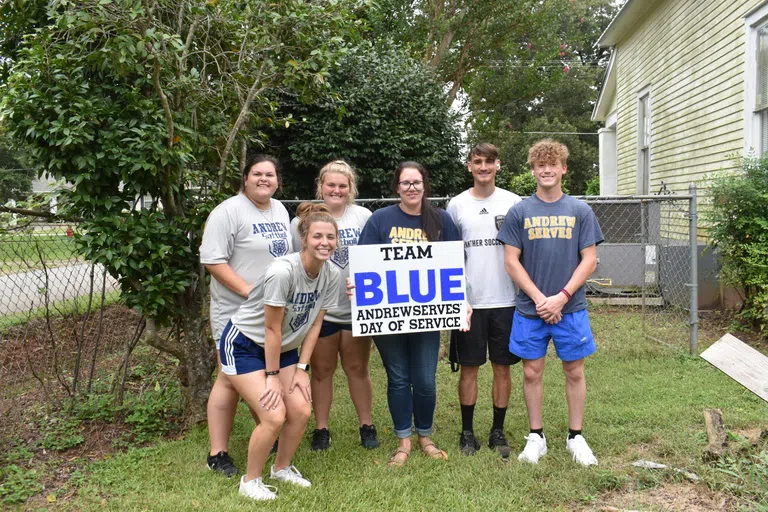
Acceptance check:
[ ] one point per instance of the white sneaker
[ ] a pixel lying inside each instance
(581, 452)
(291, 475)
(535, 448)
(256, 489)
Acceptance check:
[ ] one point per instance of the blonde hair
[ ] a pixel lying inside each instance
(548, 151)
(338, 167)
(308, 214)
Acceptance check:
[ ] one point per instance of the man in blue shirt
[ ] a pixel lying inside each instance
(550, 249)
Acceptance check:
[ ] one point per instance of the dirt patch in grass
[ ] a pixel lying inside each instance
(714, 324)
(666, 497)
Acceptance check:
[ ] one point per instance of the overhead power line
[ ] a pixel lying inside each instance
(559, 133)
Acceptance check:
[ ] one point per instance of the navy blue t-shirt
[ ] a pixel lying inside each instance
(391, 225)
(550, 236)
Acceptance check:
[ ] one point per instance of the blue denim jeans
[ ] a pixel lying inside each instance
(411, 362)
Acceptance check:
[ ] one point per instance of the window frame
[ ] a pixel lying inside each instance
(755, 121)
(644, 140)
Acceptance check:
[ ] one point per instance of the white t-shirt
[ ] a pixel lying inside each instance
(479, 220)
(246, 238)
(285, 284)
(350, 225)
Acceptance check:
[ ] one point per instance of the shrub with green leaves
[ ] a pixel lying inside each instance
(739, 232)
(387, 108)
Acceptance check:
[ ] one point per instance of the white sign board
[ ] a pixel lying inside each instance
(401, 288)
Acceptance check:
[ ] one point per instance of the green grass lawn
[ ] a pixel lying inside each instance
(19, 253)
(644, 401)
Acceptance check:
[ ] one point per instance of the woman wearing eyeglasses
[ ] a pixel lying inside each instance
(410, 359)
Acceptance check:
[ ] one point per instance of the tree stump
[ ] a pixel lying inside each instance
(713, 419)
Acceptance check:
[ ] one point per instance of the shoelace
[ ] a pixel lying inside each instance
(265, 487)
(292, 473)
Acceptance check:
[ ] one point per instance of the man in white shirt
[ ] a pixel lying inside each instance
(478, 213)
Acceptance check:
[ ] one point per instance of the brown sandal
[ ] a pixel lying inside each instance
(438, 455)
(394, 461)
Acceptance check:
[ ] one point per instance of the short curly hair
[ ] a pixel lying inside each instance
(548, 151)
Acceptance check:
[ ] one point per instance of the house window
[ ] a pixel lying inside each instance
(756, 81)
(644, 143)
(761, 99)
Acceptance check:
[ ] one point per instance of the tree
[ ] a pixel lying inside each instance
(17, 18)
(460, 38)
(387, 108)
(553, 98)
(124, 99)
(15, 179)
(582, 159)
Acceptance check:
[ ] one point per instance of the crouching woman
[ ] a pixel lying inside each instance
(259, 348)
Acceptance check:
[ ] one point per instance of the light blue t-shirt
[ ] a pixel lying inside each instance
(550, 237)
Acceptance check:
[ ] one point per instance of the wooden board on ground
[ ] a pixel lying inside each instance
(740, 362)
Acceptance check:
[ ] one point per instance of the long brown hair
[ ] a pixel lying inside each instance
(431, 223)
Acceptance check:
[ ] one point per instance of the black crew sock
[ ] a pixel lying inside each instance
(538, 431)
(499, 413)
(573, 433)
(467, 417)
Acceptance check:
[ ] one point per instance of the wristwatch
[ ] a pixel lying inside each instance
(303, 366)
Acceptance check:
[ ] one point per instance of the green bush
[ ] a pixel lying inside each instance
(739, 232)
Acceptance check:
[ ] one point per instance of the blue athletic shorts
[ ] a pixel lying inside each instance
(330, 328)
(572, 337)
(240, 355)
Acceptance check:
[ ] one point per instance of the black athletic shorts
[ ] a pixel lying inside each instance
(488, 334)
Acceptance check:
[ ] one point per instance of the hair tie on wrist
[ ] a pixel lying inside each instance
(565, 292)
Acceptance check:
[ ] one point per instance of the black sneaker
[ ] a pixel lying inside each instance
(497, 441)
(468, 444)
(321, 439)
(368, 437)
(223, 463)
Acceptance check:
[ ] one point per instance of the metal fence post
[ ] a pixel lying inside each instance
(694, 320)
(643, 267)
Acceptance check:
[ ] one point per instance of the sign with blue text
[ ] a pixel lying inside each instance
(402, 288)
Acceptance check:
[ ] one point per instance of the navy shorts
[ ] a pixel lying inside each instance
(572, 337)
(331, 328)
(240, 355)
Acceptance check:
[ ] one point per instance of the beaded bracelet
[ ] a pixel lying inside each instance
(269, 374)
(565, 292)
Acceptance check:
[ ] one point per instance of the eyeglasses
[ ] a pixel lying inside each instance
(406, 185)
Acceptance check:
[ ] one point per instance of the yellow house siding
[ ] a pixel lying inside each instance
(690, 53)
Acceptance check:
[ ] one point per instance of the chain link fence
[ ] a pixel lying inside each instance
(58, 315)
(58, 312)
(645, 261)
(648, 261)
